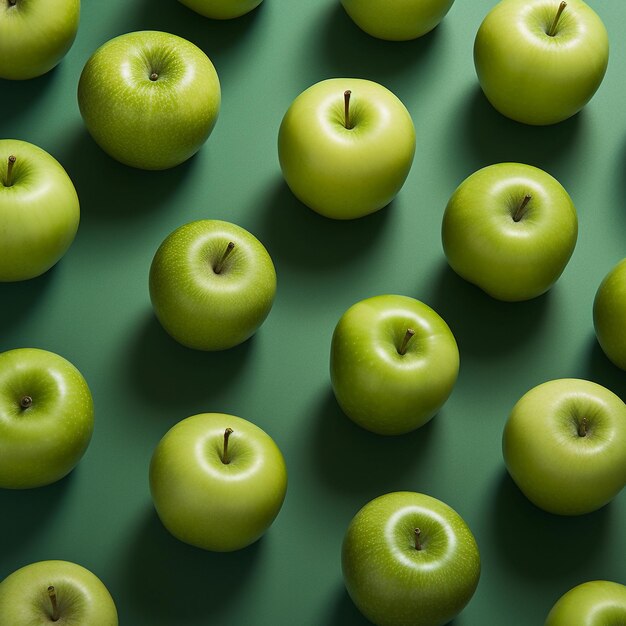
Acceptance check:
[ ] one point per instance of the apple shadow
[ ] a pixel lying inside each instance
(168, 582)
(601, 370)
(24, 93)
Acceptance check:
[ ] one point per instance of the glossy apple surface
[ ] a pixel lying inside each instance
(564, 445)
(533, 72)
(609, 313)
(55, 592)
(595, 603)
(510, 229)
(409, 560)
(207, 294)
(384, 379)
(46, 418)
(149, 99)
(398, 21)
(39, 210)
(346, 170)
(35, 35)
(221, 9)
(216, 490)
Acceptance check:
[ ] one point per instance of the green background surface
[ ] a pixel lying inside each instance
(93, 308)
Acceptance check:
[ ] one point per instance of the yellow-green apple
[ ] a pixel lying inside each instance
(149, 99)
(609, 314)
(346, 146)
(540, 61)
(400, 21)
(217, 481)
(39, 210)
(564, 445)
(393, 363)
(212, 284)
(46, 418)
(409, 560)
(595, 603)
(35, 35)
(510, 228)
(55, 592)
(221, 9)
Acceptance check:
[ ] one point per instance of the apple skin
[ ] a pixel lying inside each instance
(594, 603)
(401, 21)
(39, 211)
(346, 173)
(43, 442)
(35, 36)
(509, 260)
(394, 584)
(557, 467)
(221, 9)
(609, 313)
(535, 78)
(210, 504)
(145, 123)
(81, 596)
(200, 308)
(380, 389)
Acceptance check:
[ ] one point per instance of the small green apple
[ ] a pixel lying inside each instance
(221, 9)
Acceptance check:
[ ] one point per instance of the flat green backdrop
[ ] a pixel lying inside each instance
(94, 309)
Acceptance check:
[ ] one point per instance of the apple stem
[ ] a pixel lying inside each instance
(227, 433)
(26, 402)
(521, 209)
(53, 600)
(229, 248)
(9, 178)
(582, 427)
(346, 109)
(405, 342)
(418, 543)
(154, 76)
(557, 17)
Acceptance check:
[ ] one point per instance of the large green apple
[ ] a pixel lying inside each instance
(46, 418)
(221, 9)
(595, 603)
(540, 61)
(609, 314)
(149, 99)
(212, 284)
(400, 20)
(39, 210)
(217, 481)
(564, 444)
(409, 560)
(35, 35)
(393, 363)
(55, 592)
(510, 228)
(346, 146)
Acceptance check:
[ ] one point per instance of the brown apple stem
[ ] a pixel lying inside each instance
(26, 401)
(53, 600)
(346, 109)
(521, 209)
(557, 17)
(227, 433)
(154, 76)
(229, 248)
(9, 178)
(405, 342)
(583, 427)
(418, 543)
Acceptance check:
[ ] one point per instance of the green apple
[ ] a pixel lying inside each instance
(409, 560)
(39, 210)
(510, 228)
(540, 61)
(221, 9)
(149, 99)
(609, 313)
(217, 481)
(564, 445)
(595, 603)
(398, 21)
(346, 146)
(46, 418)
(212, 284)
(35, 35)
(55, 592)
(393, 363)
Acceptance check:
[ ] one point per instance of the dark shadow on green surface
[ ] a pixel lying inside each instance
(24, 93)
(601, 370)
(168, 582)
(481, 324)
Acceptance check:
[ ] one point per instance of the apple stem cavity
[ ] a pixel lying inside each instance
(557, 17)
(346, 109)
(405, 342)
(154, 76)
(52, 594)
(227, 433)
(583, 427)
(9, 178)
(220, 264)
(521, 209)
(26, 402)
(418, 544)
(12, 3)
